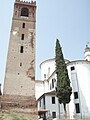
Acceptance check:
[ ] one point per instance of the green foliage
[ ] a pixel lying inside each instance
(16, 118)
(63, 89)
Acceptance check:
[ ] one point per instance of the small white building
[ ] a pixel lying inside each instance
(79, 74)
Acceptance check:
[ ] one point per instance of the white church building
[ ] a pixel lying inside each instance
(79, 74)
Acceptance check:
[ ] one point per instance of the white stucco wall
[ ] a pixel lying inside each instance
(80, 82)
(50, 106)
(47, 67)
(39, 88)
(46, 86)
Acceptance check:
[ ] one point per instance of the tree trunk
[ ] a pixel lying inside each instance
(65, 115)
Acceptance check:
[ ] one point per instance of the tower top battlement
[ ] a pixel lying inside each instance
(33, 2)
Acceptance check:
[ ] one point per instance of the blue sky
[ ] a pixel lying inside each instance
(67, 20)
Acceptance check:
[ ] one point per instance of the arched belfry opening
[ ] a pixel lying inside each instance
(25, 12)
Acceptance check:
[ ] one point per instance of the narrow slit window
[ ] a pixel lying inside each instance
(21, 64)
(53, 100)
(23, 25)
(44, 75)
(52, 83)
(22, 37)
(77, 108)
(75, 95)
(21, 49)
(50, 87)
(40, 103)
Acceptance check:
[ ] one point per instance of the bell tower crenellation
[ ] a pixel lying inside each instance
(25, 10)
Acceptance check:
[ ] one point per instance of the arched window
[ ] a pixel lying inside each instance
(24, 12)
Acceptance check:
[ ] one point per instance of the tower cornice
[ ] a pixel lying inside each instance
(33, 3)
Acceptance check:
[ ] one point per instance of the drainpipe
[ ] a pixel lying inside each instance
(59, 109)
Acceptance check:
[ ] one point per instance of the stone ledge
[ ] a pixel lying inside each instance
(18, 103)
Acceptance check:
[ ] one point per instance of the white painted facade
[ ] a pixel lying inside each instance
(79, 74)
(80, 81)
(47, 68)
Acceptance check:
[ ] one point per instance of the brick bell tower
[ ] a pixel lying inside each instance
(20, 67)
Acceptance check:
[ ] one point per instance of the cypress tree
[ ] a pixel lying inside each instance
(63, 88)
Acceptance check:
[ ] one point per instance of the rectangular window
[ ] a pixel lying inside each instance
(20, 63)
(40, 103)
(53, 114)
(72, 68)
(53, 100)
(23, 25)
(76, 95)
(50, 86)
(52, 83)
(44, 102)
(22, 37)
(44, 75)
(21, 49)
(77, 108)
